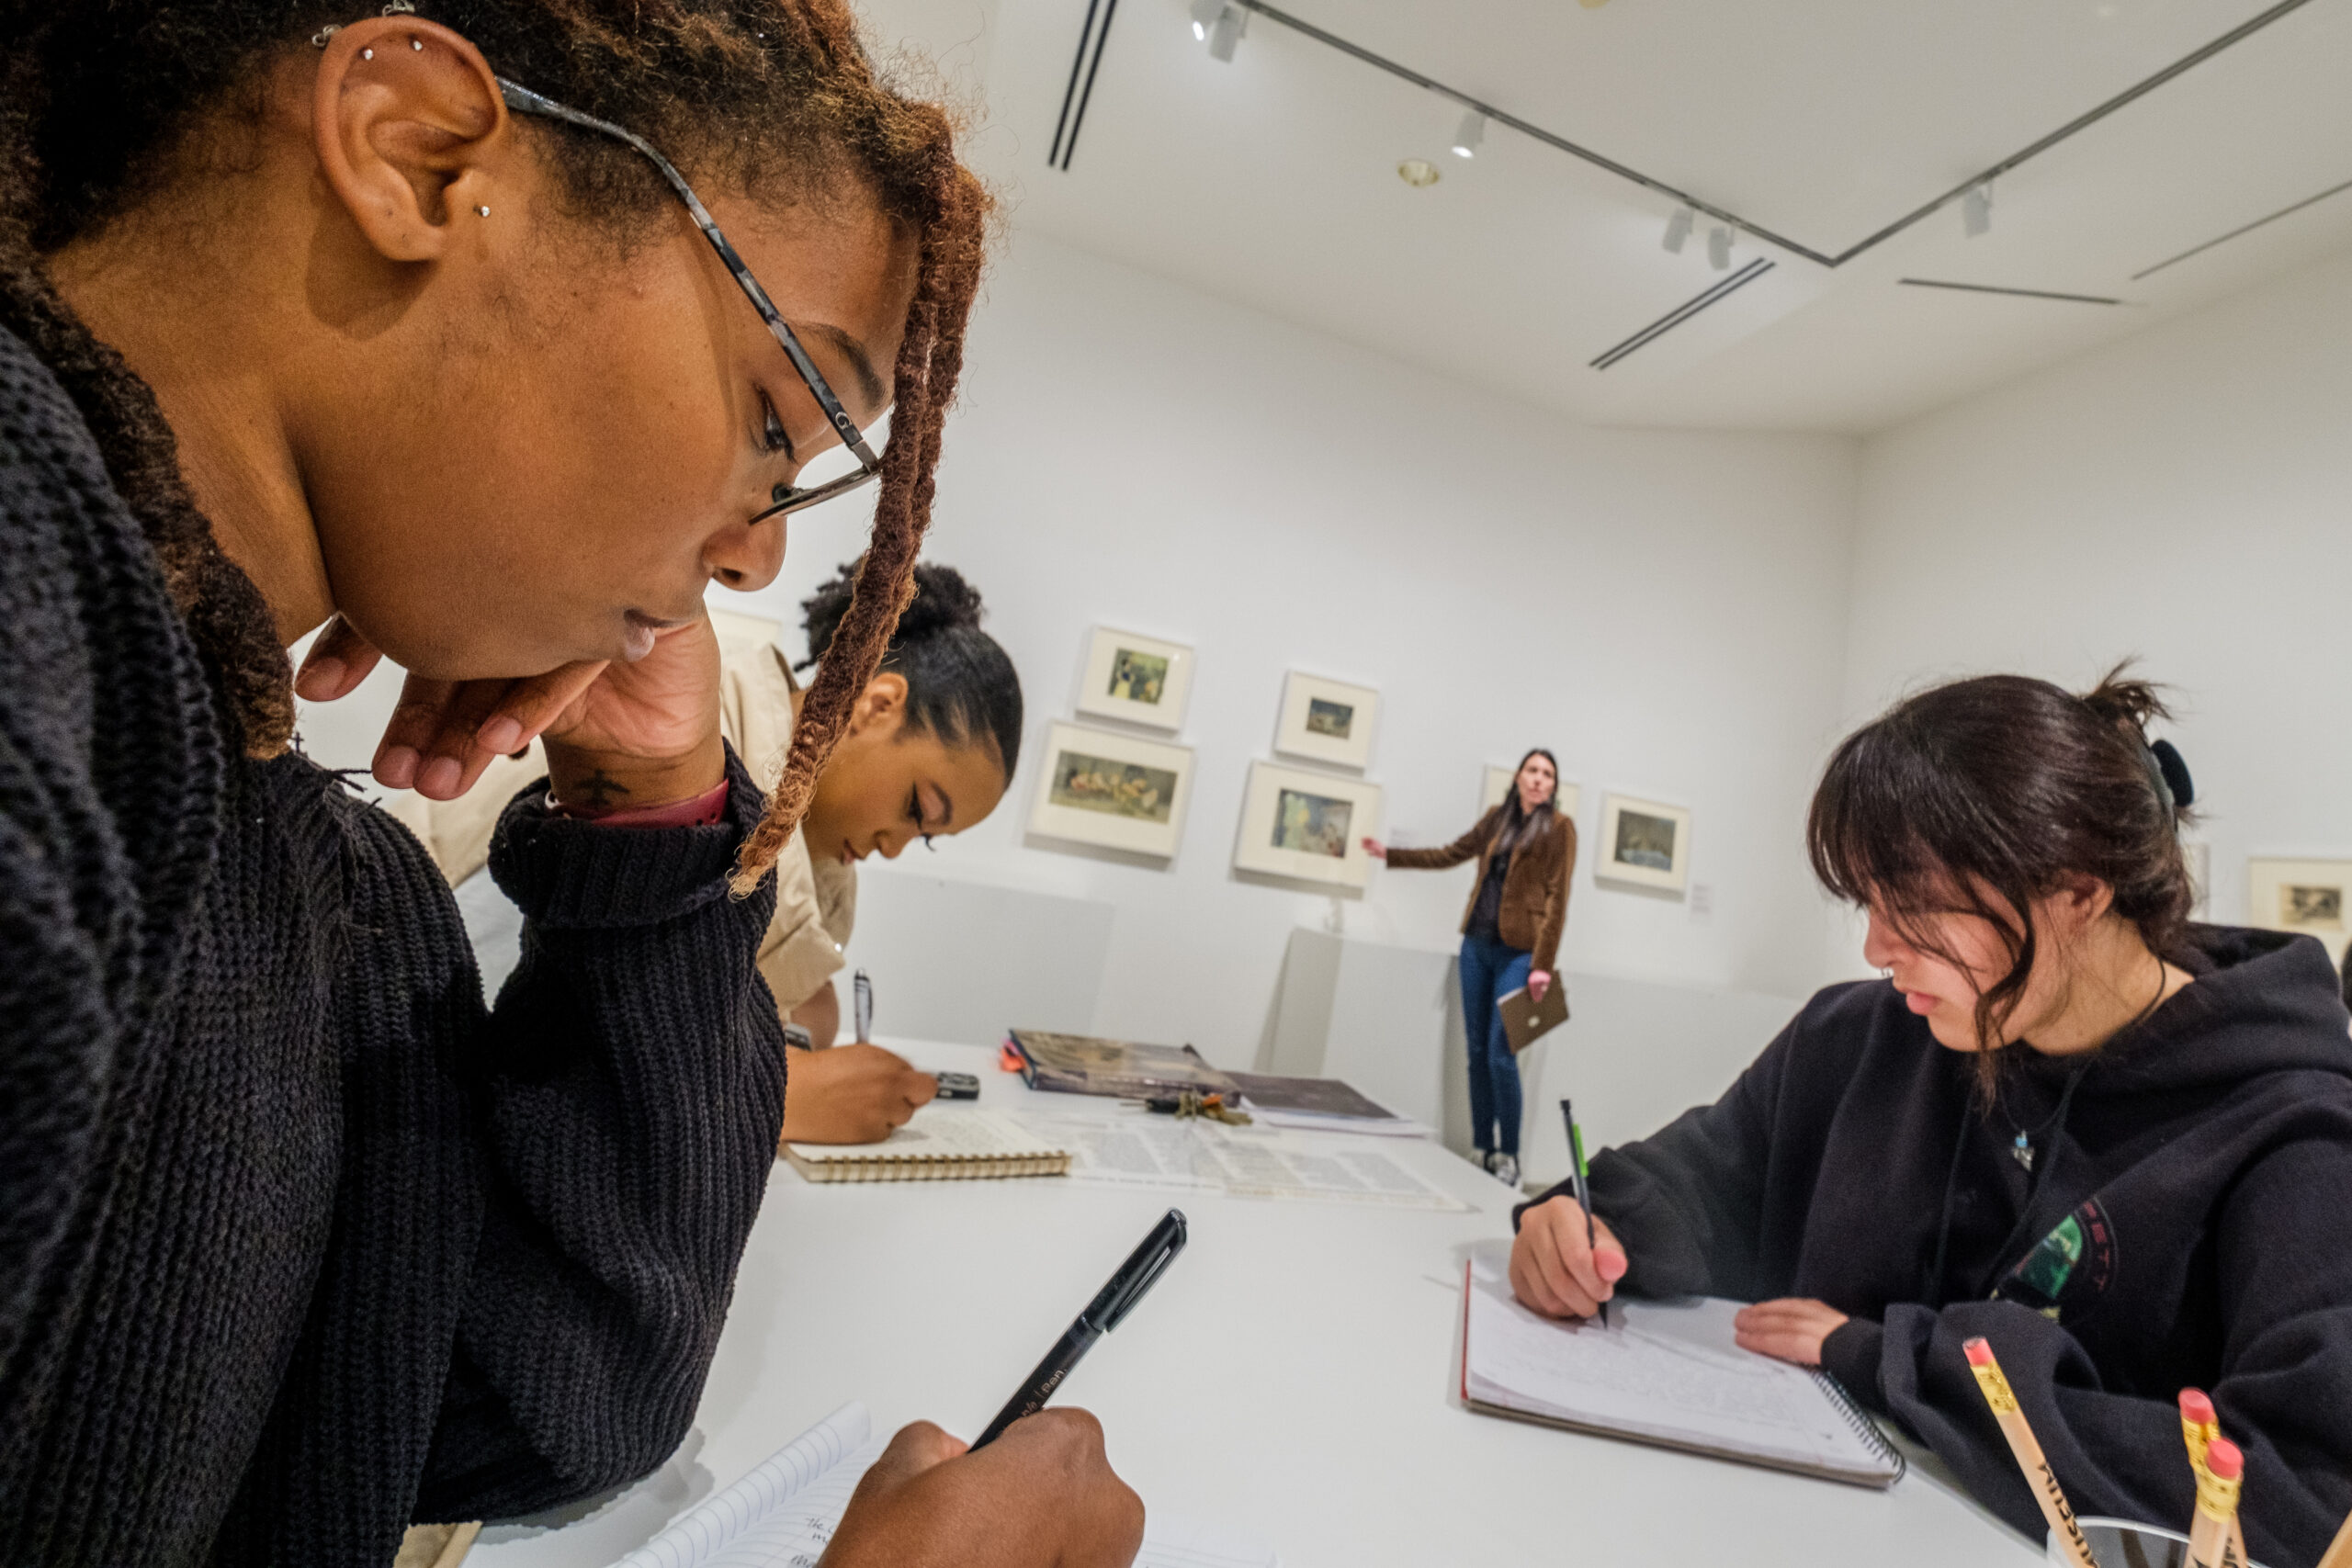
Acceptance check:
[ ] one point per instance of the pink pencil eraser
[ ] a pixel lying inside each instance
(2195, 1408)
(2222, 1456)
(1980, 1353)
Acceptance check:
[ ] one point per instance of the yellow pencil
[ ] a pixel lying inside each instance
(2340, 1554)
(2217, 1506)
(2029, 1458)
(2198, 1426)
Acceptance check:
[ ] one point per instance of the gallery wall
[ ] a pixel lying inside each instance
(1665, 610)
(2184, 495)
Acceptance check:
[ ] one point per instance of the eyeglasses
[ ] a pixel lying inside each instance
(786, 498)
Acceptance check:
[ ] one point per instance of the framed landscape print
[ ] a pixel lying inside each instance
(1307, 826)
(1120, 792)
(1567, 800)
(1328, 721)
(1643, 844)
(2312, 897)
(1138, 679)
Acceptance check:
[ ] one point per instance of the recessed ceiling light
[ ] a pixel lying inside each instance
(1417, 173)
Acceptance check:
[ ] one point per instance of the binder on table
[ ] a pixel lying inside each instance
(1666, 1373)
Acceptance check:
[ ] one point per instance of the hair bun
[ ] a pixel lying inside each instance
(2176, 773)
(942, 602)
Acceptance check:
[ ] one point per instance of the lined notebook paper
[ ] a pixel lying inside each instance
(1663, 1372)
(940, 1143)
(784, 1512)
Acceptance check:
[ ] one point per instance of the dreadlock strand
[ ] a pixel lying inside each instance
(930, 361)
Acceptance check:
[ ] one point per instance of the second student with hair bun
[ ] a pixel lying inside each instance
(929, 751)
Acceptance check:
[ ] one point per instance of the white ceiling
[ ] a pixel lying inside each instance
(1272, 180)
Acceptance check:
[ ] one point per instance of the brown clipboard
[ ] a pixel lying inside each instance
(1526, 1021)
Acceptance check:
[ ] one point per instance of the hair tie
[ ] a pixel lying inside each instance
(2173, 783)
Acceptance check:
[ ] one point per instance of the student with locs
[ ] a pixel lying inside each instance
(1510, 937)
(2116, 1145)
(927, 753)
(333, 314)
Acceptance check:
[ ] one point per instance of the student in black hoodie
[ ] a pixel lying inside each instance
(2116, 1145)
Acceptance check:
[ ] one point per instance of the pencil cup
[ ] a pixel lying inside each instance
(2120, 1543)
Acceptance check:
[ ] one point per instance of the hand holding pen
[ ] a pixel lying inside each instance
(1035, 1487)
(1566, 1262)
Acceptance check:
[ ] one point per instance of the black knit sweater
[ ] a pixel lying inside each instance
(299, 1242)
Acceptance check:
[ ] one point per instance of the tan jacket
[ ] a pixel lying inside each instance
(816, 906)
(1535, 887)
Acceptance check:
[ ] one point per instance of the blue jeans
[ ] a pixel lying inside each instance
(1491, 971)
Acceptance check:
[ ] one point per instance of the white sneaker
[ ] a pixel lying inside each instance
(1505, 1169)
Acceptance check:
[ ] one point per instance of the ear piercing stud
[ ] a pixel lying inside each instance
(482, 211)
(366, 54)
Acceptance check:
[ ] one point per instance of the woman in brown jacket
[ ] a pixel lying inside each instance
(1510, 933)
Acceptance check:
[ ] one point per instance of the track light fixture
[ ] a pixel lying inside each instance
(1205, 15)
(1469, 134)
(1719, 247)
(1678, 228)
(1976, 210)
(1231, 22)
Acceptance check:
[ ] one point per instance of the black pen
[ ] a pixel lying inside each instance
(1584, 1189)
(1103, 1314)
(862, 1007)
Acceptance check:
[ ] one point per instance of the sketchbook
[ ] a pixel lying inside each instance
(1668, 1373)
(939, 1143)
(784, 1512)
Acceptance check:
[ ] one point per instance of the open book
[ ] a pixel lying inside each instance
(939, 1143)
(1663, 1372)
(784, 1512)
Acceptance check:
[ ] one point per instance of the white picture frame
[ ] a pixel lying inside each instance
(2310, 898)
(1114, 791)
(1136, 678)
(1643, 844)
(1293, 820)
(1567, 798)
(1327, 721)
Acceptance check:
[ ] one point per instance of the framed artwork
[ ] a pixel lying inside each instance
(1138, 679)
(1328, 721)
(1306, 825)
(1120, 792)
(1643, 844)
(1568, 799)
(2312, 897)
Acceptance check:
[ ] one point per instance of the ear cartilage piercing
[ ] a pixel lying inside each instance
(482, 211)
(319, 39)
(416, 44)
(366, 54)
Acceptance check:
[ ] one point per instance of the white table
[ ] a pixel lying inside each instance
(1293, 1377)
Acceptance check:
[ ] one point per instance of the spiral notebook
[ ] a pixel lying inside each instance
(1668, 1373)
(783, 1513)
(940, 1143)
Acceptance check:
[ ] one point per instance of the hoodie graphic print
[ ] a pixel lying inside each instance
(2173, 1209)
